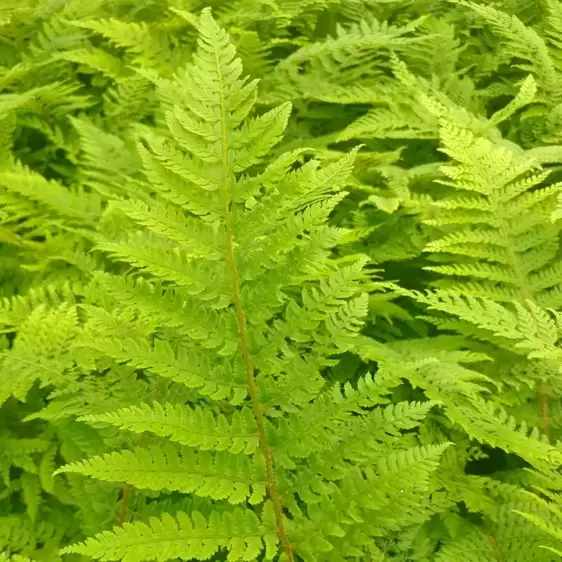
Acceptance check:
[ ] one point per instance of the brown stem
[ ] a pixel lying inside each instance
(494, 544)
(527, 295)
(543, 405)
(227, 176)
(128, 489)
(257, 406)
(126, 493)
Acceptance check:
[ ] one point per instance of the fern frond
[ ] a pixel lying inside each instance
(107, 162)
(40, 351)
(500, 226)
(542, 510)
(172, 307)
(14, 311)
(240, 532)
(356, 40)
(218, 475)
(528, 45)
(532, 330)
(188, 426)
(488, 424)
(395, 122)
(184, 366)
(248, 306)
(49, 196)
(94, 59)
(198, 239)
(524, 97)
(170, 263)
(145, 44)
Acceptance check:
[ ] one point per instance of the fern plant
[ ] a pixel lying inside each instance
(228, 331)
(233, 294)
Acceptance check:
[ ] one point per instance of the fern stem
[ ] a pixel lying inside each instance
(257, 406)
(543, 405)
(527, 294)
(127, 491)
(494, 544)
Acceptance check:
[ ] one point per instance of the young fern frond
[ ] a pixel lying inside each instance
(14, 311)
(464, 396)
(147, 45)
(524, 47)
(185, 324)
(494, 222)
(219, 476)
(496, 239)
(186, 535)
(108, 164)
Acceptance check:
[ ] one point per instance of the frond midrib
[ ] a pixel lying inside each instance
(257, 405)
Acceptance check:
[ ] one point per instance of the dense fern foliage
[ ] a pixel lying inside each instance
(280, 280)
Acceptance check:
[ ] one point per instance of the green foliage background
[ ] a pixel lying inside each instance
(280, 280)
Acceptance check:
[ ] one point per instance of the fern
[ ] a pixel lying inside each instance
(39, 353)
(507, 252)
(253, 337)
(228, 331)
(194, 427)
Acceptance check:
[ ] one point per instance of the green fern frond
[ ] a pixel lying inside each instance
(192, 333)
(14, 311)
(524, 97)
(14, 558)
(474, 545)
(21, 537)
(170, 263)
(197, 239)
(528, 45)
(174, 307)
(188, 426)
(394, 122)
(144, 43)
(488, 424)
(269, 312)
(131, 100)
(542, 509)
(219, 476)
(183, 366)
(240, 532)
(20, 186)
(349, 43)
(40, 351)
(532, 330)
(499, 225)
(96, 60)
(108, 163)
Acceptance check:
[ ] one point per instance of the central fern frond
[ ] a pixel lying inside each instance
(234, 298)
